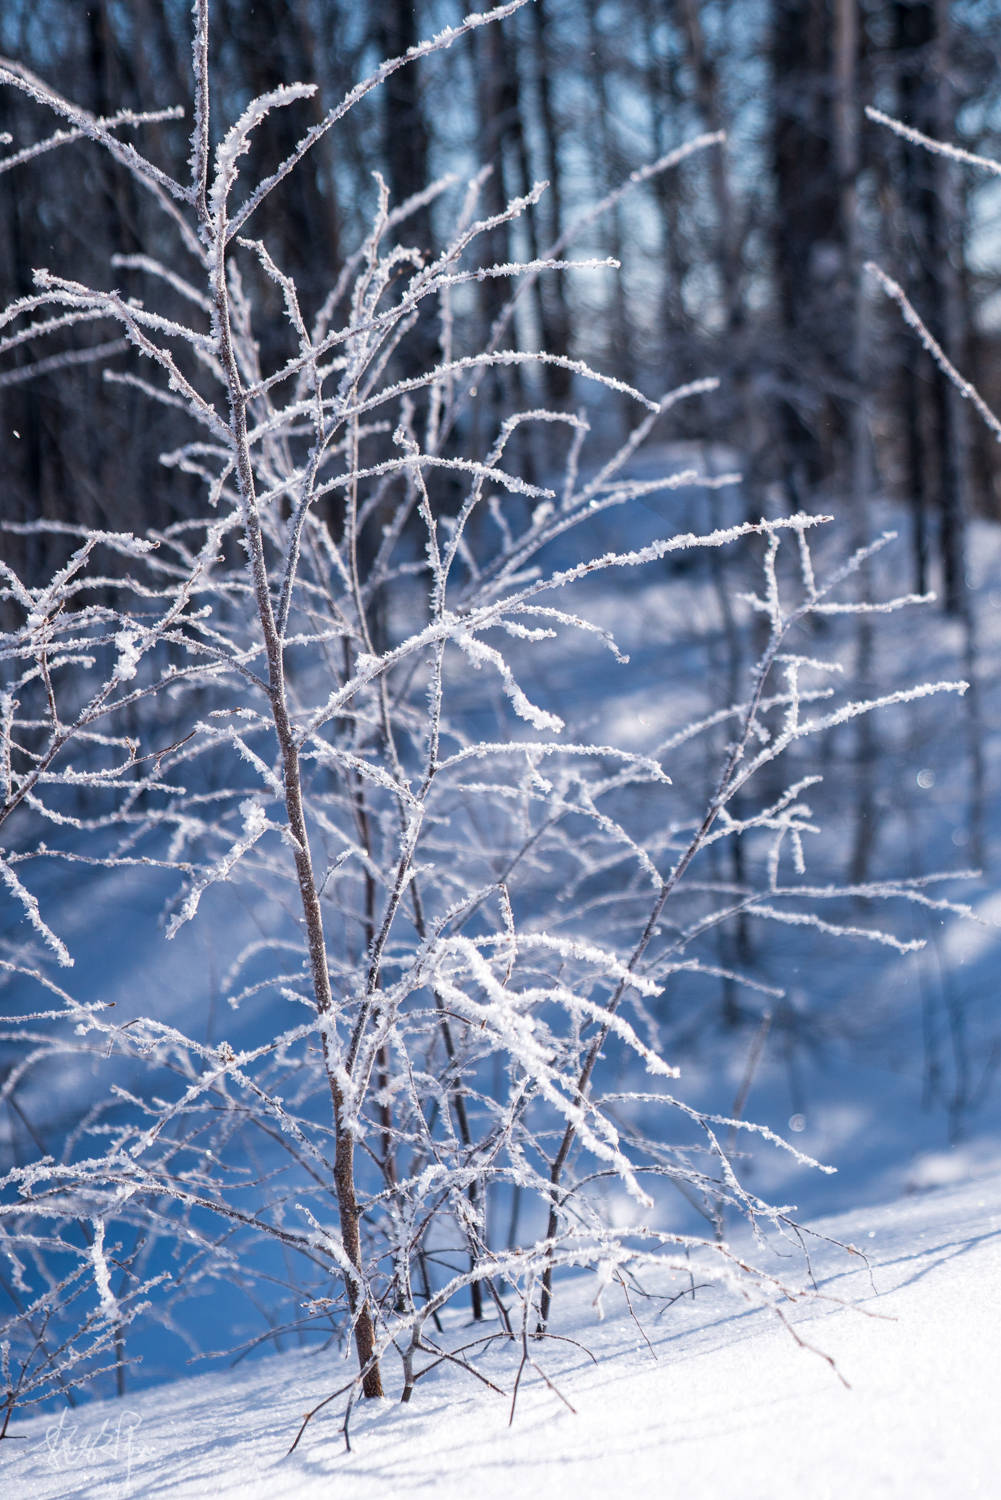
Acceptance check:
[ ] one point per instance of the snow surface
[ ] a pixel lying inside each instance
(723, 1401)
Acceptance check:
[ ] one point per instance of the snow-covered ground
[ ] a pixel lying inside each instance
(695, 1400)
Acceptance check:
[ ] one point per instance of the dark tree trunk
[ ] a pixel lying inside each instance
(805, 238)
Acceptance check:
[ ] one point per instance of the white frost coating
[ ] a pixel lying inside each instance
(535, 748)
(255, 823)
(868, 705)
(913, 319)
(237, 140)
(102, 1273)
(839, 929)
(127, 644)
(264, 771)
(479, 653)
(940, 148)
(442, 40)
(34, 915)
(596, 1131)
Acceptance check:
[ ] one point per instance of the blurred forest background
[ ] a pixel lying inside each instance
(745, 263)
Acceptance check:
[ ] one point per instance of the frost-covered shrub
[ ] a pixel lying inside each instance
(444, 1049)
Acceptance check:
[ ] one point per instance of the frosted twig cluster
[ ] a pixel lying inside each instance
(323, 687)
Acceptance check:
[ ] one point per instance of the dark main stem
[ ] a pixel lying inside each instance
(344, 1178)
